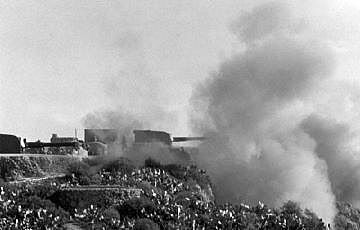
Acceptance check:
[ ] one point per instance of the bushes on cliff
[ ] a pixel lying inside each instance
(309, 219)
(43, 191)
(110, 214)
(20, 210)
(136, 206)
(78, 169)
(35, 203)
(180, 172)
(5, 169)
(79, 172)
(348, 217)
(119, 165)
(79, 199)
(152, 163)
(145, 224)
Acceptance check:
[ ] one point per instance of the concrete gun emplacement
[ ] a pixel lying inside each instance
(149, 136)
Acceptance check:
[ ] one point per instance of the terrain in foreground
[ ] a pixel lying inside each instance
(111, 193)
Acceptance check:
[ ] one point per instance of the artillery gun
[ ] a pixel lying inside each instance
(101, 142)
(150, 136)
(159, 144)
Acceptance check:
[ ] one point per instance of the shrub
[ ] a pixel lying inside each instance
(69, 200)
(145, 224)
(312, 221)
(43, 190)
(201, 178)
(6, 168)
(35, 202)
(111, 213)
(134, 206)
(147, 188)
(348, 216)
(120, 165)
(51, 218)
(291, 207)
(175, 170)
(95, 179)
(78, 168)
(84, 180)
(152, 163)
(186, 198)
(309, 219)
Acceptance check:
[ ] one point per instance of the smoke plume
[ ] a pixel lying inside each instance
(255, 109)
(123, 122)
(333, 141)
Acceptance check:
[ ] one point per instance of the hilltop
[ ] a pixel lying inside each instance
(112, 193)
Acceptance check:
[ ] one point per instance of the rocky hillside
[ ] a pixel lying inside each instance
(114, 194)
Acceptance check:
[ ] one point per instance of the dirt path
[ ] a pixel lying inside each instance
(36, 179)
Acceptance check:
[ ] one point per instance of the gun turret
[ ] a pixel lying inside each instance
(183, 139)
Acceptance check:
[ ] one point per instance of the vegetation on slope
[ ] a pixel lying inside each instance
(171, 198)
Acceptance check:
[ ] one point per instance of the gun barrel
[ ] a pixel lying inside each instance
(50, 144)
(183, 139)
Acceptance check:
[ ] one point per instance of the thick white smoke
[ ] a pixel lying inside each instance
(125, 123)
(255, 109)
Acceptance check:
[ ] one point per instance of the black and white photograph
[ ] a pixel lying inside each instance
(179, 114)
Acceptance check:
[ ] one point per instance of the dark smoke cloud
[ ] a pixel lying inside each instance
(332, 144)
(251, 109)
(263, 79)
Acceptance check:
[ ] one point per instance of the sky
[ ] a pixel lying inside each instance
(63, 60)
